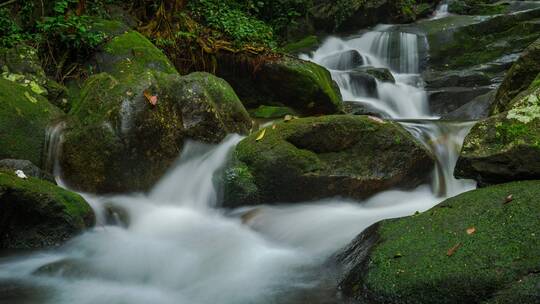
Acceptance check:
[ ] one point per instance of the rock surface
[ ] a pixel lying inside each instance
(473, 248)
(131, 120)
(281, 81)
(35, 213)
(342, 155)
(24, 119)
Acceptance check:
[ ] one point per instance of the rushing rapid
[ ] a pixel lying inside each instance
(175, 245)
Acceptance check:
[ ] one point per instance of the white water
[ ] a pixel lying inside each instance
(441, 11)
(179, 248)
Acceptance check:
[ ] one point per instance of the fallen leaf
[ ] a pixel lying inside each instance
(261, 135)
(471, 230)
(453, 250)
(508, 199)
(152, 99)
(20, 174)
(288, 117)
(376, 119)
(273, 127)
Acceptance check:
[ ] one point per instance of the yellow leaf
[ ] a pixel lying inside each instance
(471, 230)
(29, 97)
(261, 135)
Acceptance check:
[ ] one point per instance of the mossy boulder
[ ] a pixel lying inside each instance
(473, 248)
(118, 141)
(35, 213)
(281, 81)
(381, 74)
(130, 121)
(504, 147)
(520, 76)
(317, 157)
(24, 119)
(21, 64)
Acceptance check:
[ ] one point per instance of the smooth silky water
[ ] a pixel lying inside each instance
(177, 246)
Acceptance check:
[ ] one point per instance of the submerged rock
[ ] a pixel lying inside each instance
(24, 118)
(473, 248)
(131, 120)
(35, 213)
(313, 158)
(282, 81)
(343, 61)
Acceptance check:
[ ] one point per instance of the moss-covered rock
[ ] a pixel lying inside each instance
(520, 76)
(505, 147)
(130, 121)
(21, 64)
(24, 118)
(118, 141)
(35, 213)
(281, 81)
(271, 112)
(312, 158)
(473, 248)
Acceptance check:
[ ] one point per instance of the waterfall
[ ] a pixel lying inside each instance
(386, 47)
(441, 11)
(53, 147)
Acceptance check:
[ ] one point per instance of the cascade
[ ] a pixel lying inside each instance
(180, 247)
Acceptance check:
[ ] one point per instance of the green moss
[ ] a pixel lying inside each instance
(503, 249)
(24, 118)
(302, 45)
(330, 155)
(40, 213)
(269, 112)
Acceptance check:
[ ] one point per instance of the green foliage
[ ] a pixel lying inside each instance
(230, 19)
(11, 31)
(72, 32)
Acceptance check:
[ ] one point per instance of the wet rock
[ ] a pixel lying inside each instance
(35, 213)
(281, 81)
(476, 109)
(343, 61)
(27, 167)
(409, 260)
(446, 100)
(381, 74)
(24, 118)
(360, 108)
(271, 112)
(445, 79)
(519, 77)
(363, 84)
(504, 147)
(131, 120)
(343, 155)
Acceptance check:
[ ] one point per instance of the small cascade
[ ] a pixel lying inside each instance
(53, 148)
(444, 139)
(441, 11)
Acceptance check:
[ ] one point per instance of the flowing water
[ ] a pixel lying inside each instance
(175, 245)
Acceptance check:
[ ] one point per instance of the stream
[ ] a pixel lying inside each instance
(175, 245)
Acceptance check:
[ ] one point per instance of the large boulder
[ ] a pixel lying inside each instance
(35, 213)
(312, 158)
(504, 147)
(24, 119)
(519, 77)
(479, 247)
(131, 120)
(281, 81)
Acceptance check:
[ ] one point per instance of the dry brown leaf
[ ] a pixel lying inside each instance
(152, 99)
(453, 250)
(471, 230)
(508, 199)
(376, 119)
(273, 127)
